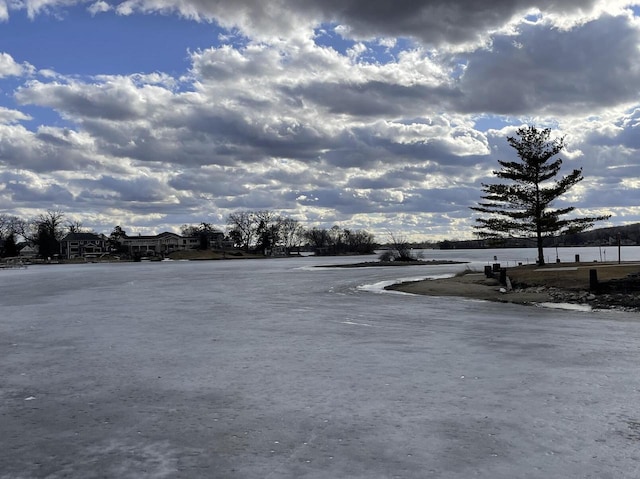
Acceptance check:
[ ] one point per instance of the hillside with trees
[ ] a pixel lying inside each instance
(629, 236)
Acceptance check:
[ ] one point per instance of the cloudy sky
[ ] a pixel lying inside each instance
(377, 114)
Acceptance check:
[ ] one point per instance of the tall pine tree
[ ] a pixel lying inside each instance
(521, 205)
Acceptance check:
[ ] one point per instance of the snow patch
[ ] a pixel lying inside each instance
(566, 306)
(380, 285)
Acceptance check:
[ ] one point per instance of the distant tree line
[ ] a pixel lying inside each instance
(265, 231)
(629, 235)
(260, 231)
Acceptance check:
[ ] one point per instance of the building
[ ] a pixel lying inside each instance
(161, 244)
(79, 245)
(167, 242)
(29, 252)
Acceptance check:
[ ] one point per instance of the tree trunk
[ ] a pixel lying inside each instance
(540, 249)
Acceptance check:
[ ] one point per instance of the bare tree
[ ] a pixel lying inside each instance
(267, 229)
(336, 235)
(242, 226)
(47, 232)
(399, 249)
(10, 225)
(291, 233)
(318, 239)
(359, 241)
(74, 227)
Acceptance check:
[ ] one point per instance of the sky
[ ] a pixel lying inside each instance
(377, 115)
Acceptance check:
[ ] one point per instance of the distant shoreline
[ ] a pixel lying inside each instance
(373, 264)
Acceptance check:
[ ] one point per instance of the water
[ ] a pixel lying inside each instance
(278, 368)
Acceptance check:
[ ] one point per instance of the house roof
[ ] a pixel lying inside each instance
(153, 237)
(82, 237)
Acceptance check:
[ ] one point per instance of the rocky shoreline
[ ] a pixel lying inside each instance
(478, 286)
(619, 301)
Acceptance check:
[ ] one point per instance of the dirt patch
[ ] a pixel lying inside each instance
(473, 286)
(574, 276)
(533, 284)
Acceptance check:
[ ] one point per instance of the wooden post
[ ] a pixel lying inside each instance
(487, 271)
(503, 276)
(619, 240)
(593, 280)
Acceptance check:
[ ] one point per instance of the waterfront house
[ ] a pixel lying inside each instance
(79, 245)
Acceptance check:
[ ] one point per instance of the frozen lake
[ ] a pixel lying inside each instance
(278, 369)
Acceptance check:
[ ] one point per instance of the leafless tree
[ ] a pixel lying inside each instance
(399, 249)
(10, 225)
(242, 228)
(291, 233)
(74, 227)
(46, 232)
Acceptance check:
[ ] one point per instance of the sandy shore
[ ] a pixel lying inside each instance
(474, 286)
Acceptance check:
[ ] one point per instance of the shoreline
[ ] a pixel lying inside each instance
(478, 286)
(397, 264)
(472, 286)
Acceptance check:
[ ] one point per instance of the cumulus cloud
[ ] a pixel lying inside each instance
(434, 22)
(99, 7)
(12, 116)
(9, 67)
(547, 70)
(113, 99)
(328, 134)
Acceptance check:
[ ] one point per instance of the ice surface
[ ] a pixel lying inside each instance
(194, 369)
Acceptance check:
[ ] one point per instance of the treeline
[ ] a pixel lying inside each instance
(266, 232)
(43, 231)
(628, 235)
(261, 231)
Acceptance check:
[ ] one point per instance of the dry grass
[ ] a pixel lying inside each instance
(569, 275)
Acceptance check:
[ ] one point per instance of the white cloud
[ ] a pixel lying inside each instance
(8, 66)
(12, 116)
(4, 11)
(283, 123)
(99, 7)
(435, 22)
(590, 67)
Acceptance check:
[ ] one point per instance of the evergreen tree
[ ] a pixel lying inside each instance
(115, 240)
(10, 247)
(522, 204)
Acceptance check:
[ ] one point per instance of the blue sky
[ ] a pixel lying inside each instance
(151, 114)
(78, 43)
